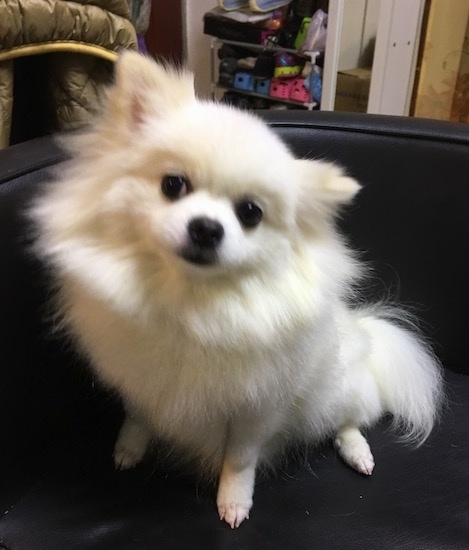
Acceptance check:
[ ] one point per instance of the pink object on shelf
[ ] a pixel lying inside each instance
(298, 91)
(280, 88)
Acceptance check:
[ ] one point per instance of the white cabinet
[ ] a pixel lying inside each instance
(396, 25)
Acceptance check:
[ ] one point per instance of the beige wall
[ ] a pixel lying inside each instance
(196, 45)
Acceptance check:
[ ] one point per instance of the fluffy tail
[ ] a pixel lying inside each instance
(408, 374)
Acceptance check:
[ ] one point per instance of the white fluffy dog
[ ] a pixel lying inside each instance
(199, 269)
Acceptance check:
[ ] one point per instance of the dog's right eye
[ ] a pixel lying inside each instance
(174, 186)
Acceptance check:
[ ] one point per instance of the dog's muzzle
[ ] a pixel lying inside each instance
(204, 238)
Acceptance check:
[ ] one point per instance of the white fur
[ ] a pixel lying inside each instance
(228, 362)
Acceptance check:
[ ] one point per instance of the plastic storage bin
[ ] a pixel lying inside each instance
(244, 81)
(280, 88)
(298, 91)
(263, 86)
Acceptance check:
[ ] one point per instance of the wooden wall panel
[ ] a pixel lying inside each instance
(441, 59)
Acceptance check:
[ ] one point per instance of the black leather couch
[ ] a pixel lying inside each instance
(58, 488)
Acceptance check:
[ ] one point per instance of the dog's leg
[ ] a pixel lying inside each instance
(354, 449)
(131, 444)
(234, 499)
(235, 491)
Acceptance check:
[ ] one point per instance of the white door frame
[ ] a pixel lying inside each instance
(395, 57)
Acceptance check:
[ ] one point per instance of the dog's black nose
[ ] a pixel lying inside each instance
(205, 233)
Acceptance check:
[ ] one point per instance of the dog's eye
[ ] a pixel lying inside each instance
(174, 186)
(249, 213)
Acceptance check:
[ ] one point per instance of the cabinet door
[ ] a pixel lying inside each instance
(164, 34)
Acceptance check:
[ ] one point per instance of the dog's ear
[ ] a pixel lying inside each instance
(144, 88)
(324, 188)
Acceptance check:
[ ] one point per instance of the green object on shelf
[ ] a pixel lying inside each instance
(301, 36)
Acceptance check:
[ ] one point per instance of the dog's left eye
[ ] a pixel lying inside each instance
(174, 186)
(249, 213)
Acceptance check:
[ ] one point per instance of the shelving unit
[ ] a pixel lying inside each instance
(393, 29)
(268, 48)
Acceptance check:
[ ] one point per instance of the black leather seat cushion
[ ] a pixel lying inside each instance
(414, 500)
(58, 486)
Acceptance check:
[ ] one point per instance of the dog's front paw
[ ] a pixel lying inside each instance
(234, 499)
(234, 513)
(355, 451)
(125, 458)
(362, 461)
(131, 445)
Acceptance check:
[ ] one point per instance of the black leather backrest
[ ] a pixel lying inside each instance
(411, 219)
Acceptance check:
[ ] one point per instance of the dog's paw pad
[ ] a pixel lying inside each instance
(355, 451)
(359, 458)
(125, 459)
(363, 464)
(233, 513)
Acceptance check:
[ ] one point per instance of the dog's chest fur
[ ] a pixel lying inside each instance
(189, 390)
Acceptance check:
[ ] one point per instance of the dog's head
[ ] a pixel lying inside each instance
(204, 187)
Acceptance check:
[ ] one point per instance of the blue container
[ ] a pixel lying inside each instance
(244, 81)
(263, 86)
